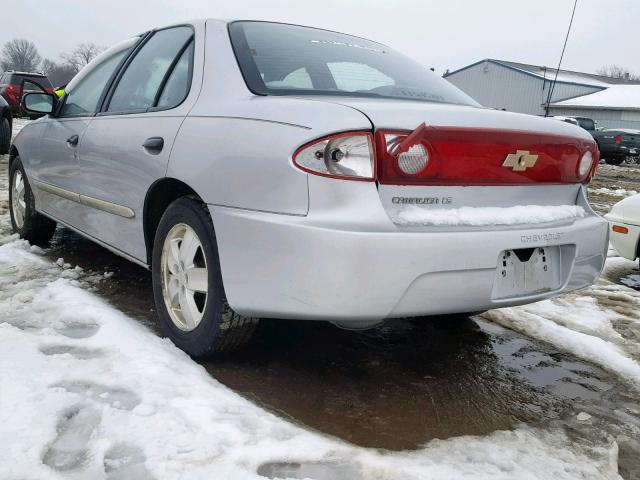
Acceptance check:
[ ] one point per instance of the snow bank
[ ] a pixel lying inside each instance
(486, 216)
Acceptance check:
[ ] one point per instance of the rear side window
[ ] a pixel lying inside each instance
(140, 83)
(84, 98)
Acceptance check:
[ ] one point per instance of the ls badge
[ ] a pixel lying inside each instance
(520, 161)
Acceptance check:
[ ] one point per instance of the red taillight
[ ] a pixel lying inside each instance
(618, 139)
(348, 156)
(12, 89)
(477, 156)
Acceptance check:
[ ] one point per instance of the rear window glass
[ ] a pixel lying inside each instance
(280, 59)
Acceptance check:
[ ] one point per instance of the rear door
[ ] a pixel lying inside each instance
(127, 145)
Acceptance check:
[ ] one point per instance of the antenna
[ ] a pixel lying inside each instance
(553, 84)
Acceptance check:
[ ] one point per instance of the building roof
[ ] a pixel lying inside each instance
(616, 97)
(549, 73)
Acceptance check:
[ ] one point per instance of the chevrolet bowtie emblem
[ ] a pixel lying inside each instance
(520, 161)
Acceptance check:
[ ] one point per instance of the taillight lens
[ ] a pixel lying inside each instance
(410, 162)
(12, 90)
(349, 156)
(586, 162)
(618, 139)
(443, 155)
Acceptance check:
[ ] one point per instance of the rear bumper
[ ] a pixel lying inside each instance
(321, 268)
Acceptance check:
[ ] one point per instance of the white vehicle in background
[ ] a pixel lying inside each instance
(625, 227)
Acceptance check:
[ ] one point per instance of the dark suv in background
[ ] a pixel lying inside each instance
(13, 86)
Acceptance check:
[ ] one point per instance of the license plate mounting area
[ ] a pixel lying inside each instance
(528, 271)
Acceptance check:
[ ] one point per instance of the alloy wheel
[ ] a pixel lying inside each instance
(184, 277)
(18, 199)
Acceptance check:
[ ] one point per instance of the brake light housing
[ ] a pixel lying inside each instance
(480, 156)
(346, 156)
(455, 156)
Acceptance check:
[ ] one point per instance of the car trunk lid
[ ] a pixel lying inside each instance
(477, 159)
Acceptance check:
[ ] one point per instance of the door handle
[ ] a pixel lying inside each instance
(153, 145)
(73, 140)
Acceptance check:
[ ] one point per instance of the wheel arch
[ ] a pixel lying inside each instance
(13, 154)
(160, 195)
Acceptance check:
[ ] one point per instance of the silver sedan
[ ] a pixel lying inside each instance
(272, 170)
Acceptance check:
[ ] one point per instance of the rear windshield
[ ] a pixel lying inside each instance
(279, 59)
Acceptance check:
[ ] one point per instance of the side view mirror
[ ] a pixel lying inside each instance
(39, 102)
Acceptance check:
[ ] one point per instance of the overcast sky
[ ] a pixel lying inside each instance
(441, 34)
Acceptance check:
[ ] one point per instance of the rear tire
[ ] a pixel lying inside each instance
(25, 220)
(5, 135)
(187, 284)
(614, 161)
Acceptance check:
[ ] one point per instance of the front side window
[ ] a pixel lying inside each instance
(84, 97)
(280, 59)
(137, 88)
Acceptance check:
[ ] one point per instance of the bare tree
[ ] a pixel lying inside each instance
(19, 54)
(59, 73)
(81, 55)
(617, 71)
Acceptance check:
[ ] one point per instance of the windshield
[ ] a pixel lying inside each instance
(279, 59)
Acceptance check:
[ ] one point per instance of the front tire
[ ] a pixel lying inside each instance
(25, 220)
(187, 284)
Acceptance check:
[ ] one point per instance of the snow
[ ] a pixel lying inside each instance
(486, 216)
(616, 96)
(618, 192)
(88, 392)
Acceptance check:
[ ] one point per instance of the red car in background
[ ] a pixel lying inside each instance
(13, 86)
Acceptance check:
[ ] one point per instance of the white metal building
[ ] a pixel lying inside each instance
(520, 87)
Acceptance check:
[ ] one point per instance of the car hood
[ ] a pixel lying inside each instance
(408, 114)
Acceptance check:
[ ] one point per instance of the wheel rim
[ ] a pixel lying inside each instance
(18, 199)
(185, 277)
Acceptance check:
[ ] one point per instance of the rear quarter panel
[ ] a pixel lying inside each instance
(235, 149)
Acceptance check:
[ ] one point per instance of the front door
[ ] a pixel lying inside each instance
(55, 167)
(127, 145)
